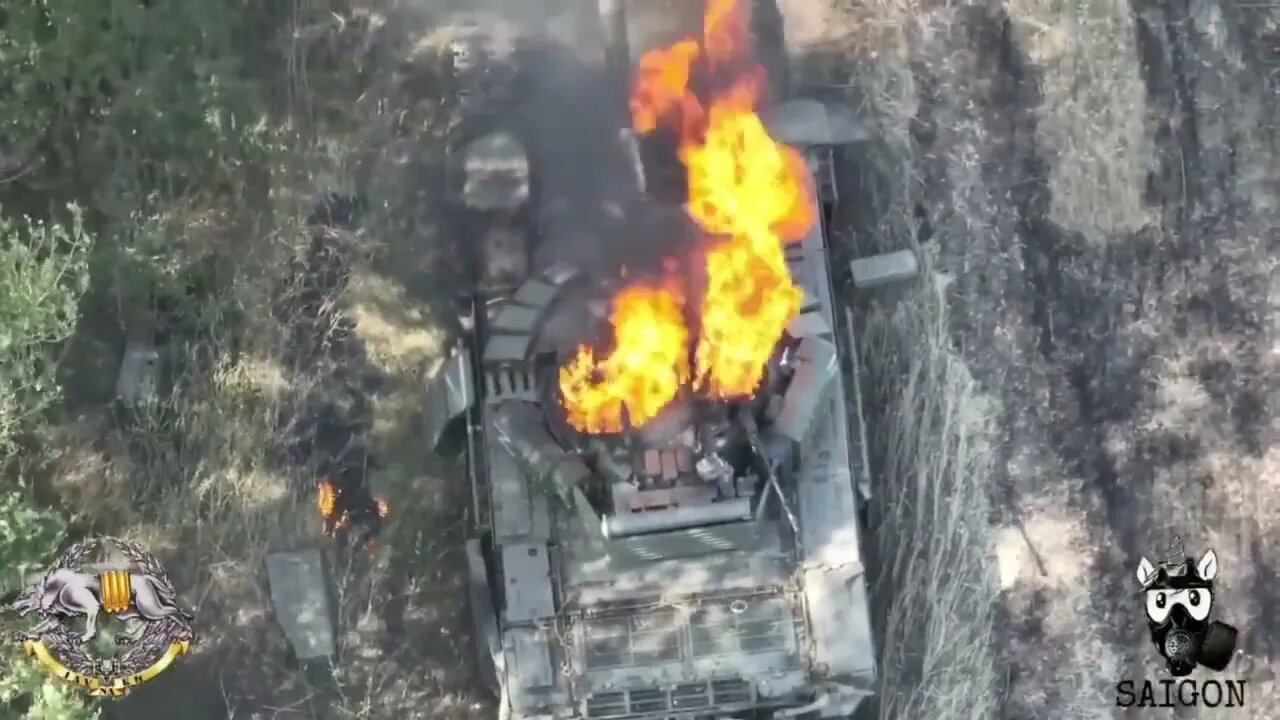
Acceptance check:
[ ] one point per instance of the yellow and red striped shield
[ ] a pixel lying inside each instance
(116, 591)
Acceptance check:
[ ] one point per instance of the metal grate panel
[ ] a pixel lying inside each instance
(607, 705)
(648, 701)
(633, 641)
(690, 696)
(718, 695)
(731, 692)
(699, 629)
(741, 626)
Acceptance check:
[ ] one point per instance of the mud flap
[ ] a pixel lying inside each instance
(450, 393)
(484, 619)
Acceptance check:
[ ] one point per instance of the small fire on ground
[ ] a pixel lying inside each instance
(336, 513)
(749, 196)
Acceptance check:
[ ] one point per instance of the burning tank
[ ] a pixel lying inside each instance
(666, 466)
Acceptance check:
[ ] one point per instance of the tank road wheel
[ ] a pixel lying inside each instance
(1219, 645)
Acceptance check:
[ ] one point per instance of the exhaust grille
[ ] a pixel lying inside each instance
(731, 692)
(721, 695)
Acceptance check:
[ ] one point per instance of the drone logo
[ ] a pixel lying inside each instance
(136, 590)
(1179, 599)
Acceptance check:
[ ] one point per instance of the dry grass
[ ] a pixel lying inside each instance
(196, 477)
(969, 584)
(399, 338)
(1062, 626)
(1092, 123)
(1221, 487)
(203, 476)
(1048, 564)
(930, 516)
(411, 663)
(1092, 120)
(928, 423)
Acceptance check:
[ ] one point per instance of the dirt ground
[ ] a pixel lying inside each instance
(1093, 187)
(1096, 183)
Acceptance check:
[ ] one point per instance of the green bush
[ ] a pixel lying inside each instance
(24, 684)
(43, 273)
(44, 270)
(147, 113)
(156, 118)
(29, 540)
(123, 99)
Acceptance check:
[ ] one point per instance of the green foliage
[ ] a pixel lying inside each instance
(162, 120)
(28, 542)
(43, 273)
(125, 98)
(24, 683)
(28, 538)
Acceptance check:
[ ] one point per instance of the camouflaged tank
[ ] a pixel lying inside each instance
(707, 564)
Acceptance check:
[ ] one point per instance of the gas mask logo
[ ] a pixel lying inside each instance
(1179, 599)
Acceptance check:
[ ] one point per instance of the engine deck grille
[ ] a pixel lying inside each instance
(633, 641)
(689, 698)
(740, 627)
(744, 625)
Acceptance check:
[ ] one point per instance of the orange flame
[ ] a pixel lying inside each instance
(326, 499)
(725, 31)
(645, 370)
(753, 194)
(661, 86)
(750, 195)
(336, 520)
